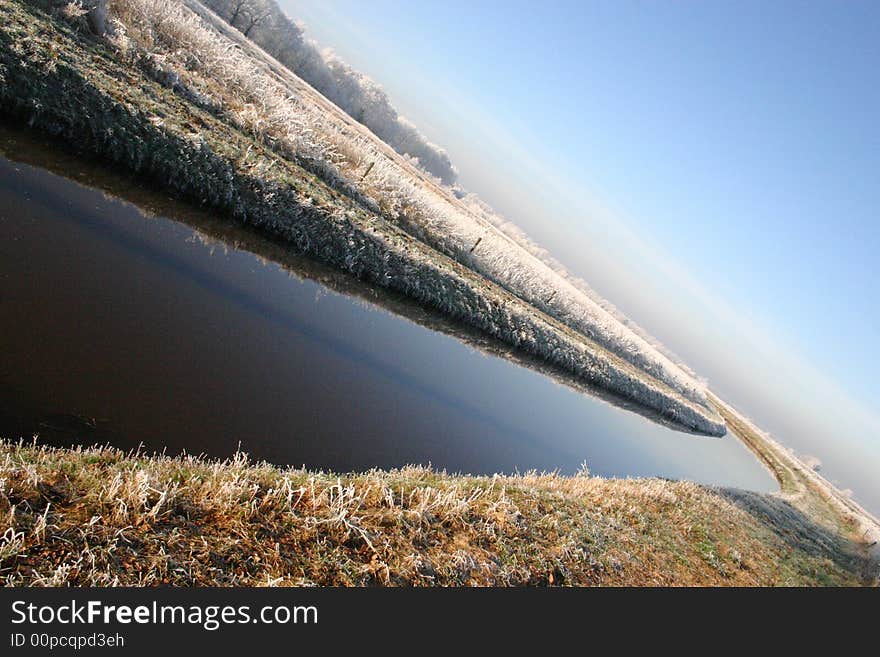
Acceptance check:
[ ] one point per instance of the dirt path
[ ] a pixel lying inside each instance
(807, 490)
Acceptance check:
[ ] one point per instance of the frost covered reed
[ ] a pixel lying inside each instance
(236, 134)
(268, 105)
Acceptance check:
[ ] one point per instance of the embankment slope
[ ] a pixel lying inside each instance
(72, 85)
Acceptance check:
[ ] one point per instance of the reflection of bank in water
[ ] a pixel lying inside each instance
(33, 149)
(129, 329)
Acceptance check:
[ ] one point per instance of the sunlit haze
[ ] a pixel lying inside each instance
(713, 170)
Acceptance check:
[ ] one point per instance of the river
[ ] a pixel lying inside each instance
(178, 331)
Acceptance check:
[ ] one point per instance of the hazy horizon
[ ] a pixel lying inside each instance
(710, 169)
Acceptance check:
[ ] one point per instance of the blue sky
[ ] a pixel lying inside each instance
(712, 168)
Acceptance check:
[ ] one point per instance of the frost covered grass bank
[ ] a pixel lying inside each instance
(457, 223)
(167, 96)
(101, 517)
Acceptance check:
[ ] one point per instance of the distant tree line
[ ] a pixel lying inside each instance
(263, 22)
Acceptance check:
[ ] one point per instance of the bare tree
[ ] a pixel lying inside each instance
(364, 100)
(235, 9)
(253, 18)
(244, 15)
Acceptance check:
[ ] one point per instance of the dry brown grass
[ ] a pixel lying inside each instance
(101, 517)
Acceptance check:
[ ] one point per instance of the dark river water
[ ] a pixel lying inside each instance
(124, 327)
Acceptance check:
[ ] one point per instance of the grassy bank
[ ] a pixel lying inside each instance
(805, 489)
(127, 109)
(101, 517)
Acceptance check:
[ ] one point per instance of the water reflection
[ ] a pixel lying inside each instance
(201, 335)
